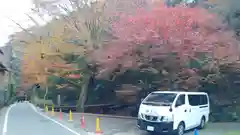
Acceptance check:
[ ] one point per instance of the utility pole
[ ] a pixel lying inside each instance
(9, 92)
(46, 91)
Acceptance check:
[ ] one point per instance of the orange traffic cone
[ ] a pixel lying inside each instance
(98, 130)
(60, 114)
(82, 122)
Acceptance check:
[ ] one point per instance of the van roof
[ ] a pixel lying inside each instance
(180, 92)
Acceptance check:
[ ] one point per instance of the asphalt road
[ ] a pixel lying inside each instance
(119, 126)
(25, 119)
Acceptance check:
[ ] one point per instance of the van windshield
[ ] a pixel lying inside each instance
(160, 99)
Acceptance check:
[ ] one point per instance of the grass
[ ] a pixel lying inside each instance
(233, 133)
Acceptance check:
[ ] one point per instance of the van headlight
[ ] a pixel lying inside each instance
(167, 119)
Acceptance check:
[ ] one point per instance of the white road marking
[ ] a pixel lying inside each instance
(4, 131)
(60, 124)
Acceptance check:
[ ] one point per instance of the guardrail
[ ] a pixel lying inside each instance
(97, 108)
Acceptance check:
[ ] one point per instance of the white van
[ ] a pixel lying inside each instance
(173, 111)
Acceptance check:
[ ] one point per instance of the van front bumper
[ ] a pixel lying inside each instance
(161, 127)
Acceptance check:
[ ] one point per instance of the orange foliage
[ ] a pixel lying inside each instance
(52, 44)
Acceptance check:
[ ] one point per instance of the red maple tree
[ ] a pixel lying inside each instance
(162, 31)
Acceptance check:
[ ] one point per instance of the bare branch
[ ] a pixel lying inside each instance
(35, 11)
(32, 19)
(19, 25)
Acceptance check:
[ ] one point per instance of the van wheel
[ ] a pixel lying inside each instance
(180, 129)
(152, 133)
(202, 123)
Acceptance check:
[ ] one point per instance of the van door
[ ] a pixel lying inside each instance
(180, 111)
(194, 116)
(205, 106)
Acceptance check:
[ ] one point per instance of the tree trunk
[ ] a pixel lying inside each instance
(46, 92)
(33, 95)
(83, 95)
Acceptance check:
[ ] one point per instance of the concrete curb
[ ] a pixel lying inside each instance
(107, 116)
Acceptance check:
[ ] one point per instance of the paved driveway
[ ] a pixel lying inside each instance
(119, 126)
(24, 119)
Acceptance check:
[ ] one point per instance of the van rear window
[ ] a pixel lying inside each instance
(160, 99)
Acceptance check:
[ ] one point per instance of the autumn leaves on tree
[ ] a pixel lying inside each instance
(168, 46)
(177, 43)
(45, 56)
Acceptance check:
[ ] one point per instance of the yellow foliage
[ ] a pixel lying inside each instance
(52, 42)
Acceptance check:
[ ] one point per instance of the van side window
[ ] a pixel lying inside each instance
(180, 101)
(195, 100)
(204, 100)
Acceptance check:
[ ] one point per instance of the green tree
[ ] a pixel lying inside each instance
(229, 11)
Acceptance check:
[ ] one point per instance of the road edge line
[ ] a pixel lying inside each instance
(56, 122)
(4, 130)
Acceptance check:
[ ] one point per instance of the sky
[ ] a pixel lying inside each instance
(16, 10)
